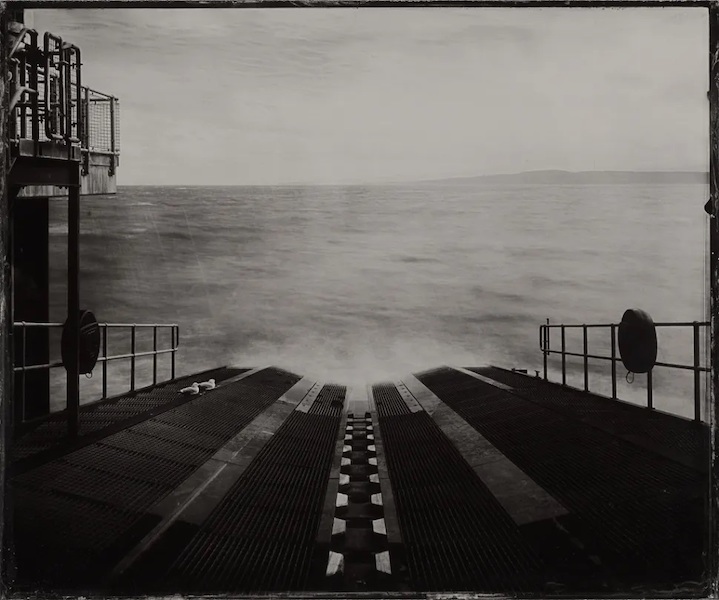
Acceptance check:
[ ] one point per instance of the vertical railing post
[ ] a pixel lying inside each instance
(133, 342)
(67, 95)
(104, 363)
(154, 356)
(586, 358)
(112, 135)
(174, 349)
(86, 128)
(85, 144)
(73, 304)
(24, 361)
(23, 109)
(546, 349)
(172, 354)
(35, 110)
(697, 378)
(112, 125)
(78, 96)
(614, 361)
(564, 359)
(650, 390)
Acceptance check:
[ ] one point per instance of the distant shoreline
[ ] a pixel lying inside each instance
(549, 177)
(555, 177)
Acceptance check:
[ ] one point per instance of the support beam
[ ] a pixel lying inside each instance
(73, 305)
(46, 172)
(6, 373)
(714, 258)
(31, 292)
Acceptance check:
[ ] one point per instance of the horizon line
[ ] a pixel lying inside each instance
(410, 181)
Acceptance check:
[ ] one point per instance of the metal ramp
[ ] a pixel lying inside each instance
(47, 438)
(457, 536)
(633, 505)
(77, 515)
(452, 480)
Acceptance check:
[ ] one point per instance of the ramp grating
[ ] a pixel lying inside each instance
(109, 414)
(457, 536)
(643, 510)
(92, 501)
(687, 440)
(389, 400)
(329, 401)
(261, 537)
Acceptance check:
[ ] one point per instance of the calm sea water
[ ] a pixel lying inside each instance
(365, 283)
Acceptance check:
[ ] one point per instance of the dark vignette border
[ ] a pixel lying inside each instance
(712, 207)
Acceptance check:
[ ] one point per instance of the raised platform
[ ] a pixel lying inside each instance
(45, 172)
(450, 480)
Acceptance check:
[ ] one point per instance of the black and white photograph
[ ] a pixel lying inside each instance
(359, 301)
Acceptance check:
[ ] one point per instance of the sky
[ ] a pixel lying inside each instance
(282, 96)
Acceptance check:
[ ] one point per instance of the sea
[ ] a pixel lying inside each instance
(367, 283)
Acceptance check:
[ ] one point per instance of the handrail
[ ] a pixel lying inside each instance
(19, 40)
(51, 42)
(62, 109)
(695, 367)
(57, 324)
(590, 325)
(20, 368)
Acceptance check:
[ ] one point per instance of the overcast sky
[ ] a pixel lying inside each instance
(362, 95)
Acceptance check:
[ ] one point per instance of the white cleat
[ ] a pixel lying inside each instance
(208, 385)
(191, 390)
(335, 564)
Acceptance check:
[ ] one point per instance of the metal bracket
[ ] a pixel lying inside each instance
(85, 169)
(709, 208)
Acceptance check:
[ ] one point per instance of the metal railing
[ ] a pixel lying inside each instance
(21, 368)
(102, 117)
(26, 82)
(49, 102)
(696, 367)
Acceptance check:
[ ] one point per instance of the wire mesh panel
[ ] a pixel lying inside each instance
(102, 122)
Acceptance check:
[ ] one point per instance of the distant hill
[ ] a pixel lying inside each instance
(585, 177)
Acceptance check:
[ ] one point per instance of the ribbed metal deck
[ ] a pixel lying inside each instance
(280, 477)
(642, 512)
(457, 536)
(46, 437)
(76, 515)
(261, 536)
(680, 439)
